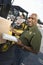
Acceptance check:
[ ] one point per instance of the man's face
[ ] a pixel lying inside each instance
(32, 20)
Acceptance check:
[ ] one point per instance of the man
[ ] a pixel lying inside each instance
(31, 34)
(29, 41)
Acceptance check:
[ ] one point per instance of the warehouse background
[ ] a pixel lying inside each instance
(31, 6)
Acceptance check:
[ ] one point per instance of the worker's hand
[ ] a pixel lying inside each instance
(19, 42)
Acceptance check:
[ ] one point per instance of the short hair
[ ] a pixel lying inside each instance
(34, 14)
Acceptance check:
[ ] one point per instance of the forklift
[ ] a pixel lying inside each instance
(6, 6)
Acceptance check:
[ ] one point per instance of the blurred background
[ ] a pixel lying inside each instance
(31, 6)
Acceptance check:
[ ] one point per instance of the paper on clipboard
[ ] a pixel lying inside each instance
(4, 28)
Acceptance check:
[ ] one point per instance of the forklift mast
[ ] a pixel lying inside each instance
(4, 7)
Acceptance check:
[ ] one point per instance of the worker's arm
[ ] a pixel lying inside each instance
(25, 47)
(18, 42)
